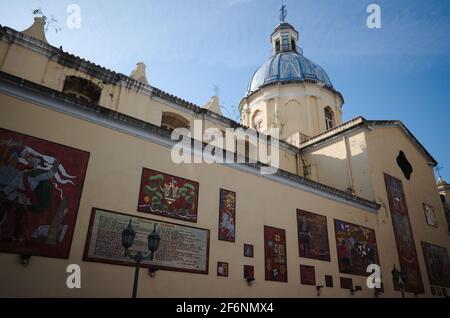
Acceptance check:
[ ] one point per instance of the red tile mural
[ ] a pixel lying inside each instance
(40, 189)
(356, 247)
(227, 216)
(275, 254)
(166, 195)
(403, 234)
(438, 264)
(313, 236)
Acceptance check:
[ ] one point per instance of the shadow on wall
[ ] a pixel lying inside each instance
(335, 172)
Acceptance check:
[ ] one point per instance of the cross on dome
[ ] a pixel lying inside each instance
(283, 12)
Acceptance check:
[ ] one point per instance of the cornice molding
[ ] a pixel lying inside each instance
(45, 97)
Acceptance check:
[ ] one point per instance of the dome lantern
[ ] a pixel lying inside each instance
(287, 63)
(284, 38)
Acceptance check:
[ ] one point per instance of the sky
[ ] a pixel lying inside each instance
(197, 48)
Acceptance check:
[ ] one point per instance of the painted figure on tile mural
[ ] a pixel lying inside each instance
(30, 182)
(305, 234)
(227, 225)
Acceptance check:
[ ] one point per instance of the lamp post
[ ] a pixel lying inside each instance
(399, 277)
(128, 236)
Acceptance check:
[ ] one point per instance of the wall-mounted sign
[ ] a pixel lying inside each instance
(346, 283)
(329, 281)
(182, 248)
(40, 189)
(166, 195)
(307, 275)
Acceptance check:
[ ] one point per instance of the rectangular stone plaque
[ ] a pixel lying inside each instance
(182, 248)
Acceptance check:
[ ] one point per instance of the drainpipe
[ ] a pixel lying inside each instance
(297, 166)
(349, 166)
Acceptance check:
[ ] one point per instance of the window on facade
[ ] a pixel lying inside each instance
(404, 165)
(250, 152)
(329, 118)
(285, 41)
(172, 121)
(82, 89)
(277, 46)
(294, 47)
(442, 198)
(257, 120)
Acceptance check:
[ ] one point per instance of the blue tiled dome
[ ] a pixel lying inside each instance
(287, 67)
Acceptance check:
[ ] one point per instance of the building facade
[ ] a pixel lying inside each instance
(84, 151)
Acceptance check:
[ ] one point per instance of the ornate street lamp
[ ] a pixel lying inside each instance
(128, 236)
(399, 278)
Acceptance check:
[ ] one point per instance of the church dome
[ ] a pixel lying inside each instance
(288, 67)
(441, 182)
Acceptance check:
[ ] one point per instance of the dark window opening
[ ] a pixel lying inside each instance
(173, 121)
(329, 118)
(82, 89)
(443, 198)
(277, 46)
(294, 47)
(404, 165)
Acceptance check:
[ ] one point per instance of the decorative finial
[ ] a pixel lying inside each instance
(283, 12)
(140, 73)
(216, 89)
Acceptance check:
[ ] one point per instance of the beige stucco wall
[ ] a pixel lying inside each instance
(24, 63)
(343, 163)
(112, 182)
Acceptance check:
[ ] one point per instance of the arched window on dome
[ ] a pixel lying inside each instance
(329, 118)
(277, 47)
(257, 120)
(293, 45)
(172, 121)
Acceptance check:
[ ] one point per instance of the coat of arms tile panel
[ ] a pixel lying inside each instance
(170, 196)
